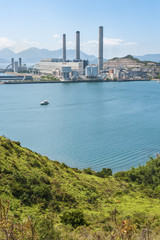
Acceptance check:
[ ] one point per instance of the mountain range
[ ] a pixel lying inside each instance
(33, 55)
(149, 57)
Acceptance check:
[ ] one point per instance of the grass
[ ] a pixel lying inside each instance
(40, 193)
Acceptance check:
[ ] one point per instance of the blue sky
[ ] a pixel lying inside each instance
(130, 26)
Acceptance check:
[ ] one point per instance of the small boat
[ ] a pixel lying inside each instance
(45, 102)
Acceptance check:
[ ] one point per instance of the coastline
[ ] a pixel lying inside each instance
(68, 81)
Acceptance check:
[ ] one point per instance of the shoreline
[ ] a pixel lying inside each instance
(68, 81)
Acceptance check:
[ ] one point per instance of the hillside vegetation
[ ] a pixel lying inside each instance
(130, 62)
(42, 199)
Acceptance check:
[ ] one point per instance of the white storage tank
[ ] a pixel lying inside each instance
(88, 71)
(94, 71)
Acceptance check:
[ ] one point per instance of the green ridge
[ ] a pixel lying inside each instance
(43, 199)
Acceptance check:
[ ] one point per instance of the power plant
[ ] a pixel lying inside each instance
(16, 66)
(77, 69)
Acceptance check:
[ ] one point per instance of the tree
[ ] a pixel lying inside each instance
(106, 172)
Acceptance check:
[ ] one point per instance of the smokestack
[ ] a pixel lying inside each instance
(64, 47)
(20, 62)
(77, 45)
(12, 64)
(100, 49)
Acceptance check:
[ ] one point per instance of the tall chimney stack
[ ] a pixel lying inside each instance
(100, 49)
(77, 45)
(12, 64)
(20, 62)
(64, 47)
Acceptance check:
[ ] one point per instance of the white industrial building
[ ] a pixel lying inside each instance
(62, 68)
(59, 68)
(91, 71)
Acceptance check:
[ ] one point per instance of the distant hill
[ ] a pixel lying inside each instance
(149, 57)
(7, 54)
(95, 61)
(2, 60)
(33, 55)
(127, 62)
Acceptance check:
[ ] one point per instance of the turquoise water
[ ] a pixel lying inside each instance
(115, 125)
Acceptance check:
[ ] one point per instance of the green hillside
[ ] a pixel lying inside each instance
(134, 59)
(45, 200)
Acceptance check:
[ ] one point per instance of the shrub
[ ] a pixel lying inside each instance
(62, 196)
(139, 218)
(74, 218)
(45, 229)
(63, 165)
(106, 172)
(89, 171)
(18, 143)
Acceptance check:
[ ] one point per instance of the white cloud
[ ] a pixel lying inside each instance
(29, 43)
(95, 42)
(6, 43)
(109, 42)
(112, 41)
(25, 43)
(112, 46)
(70, 44)
(56, 36)
(131, 43)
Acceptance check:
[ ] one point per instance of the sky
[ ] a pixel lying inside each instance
(130, 26)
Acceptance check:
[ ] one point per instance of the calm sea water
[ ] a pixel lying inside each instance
(115, 125)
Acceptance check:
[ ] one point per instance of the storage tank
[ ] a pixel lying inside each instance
(94, 71)
(88, 71)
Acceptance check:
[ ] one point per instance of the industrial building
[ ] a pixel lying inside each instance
(62, 68)
(17, 66)
(72, 70)
(91, 71)
(56, 68)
